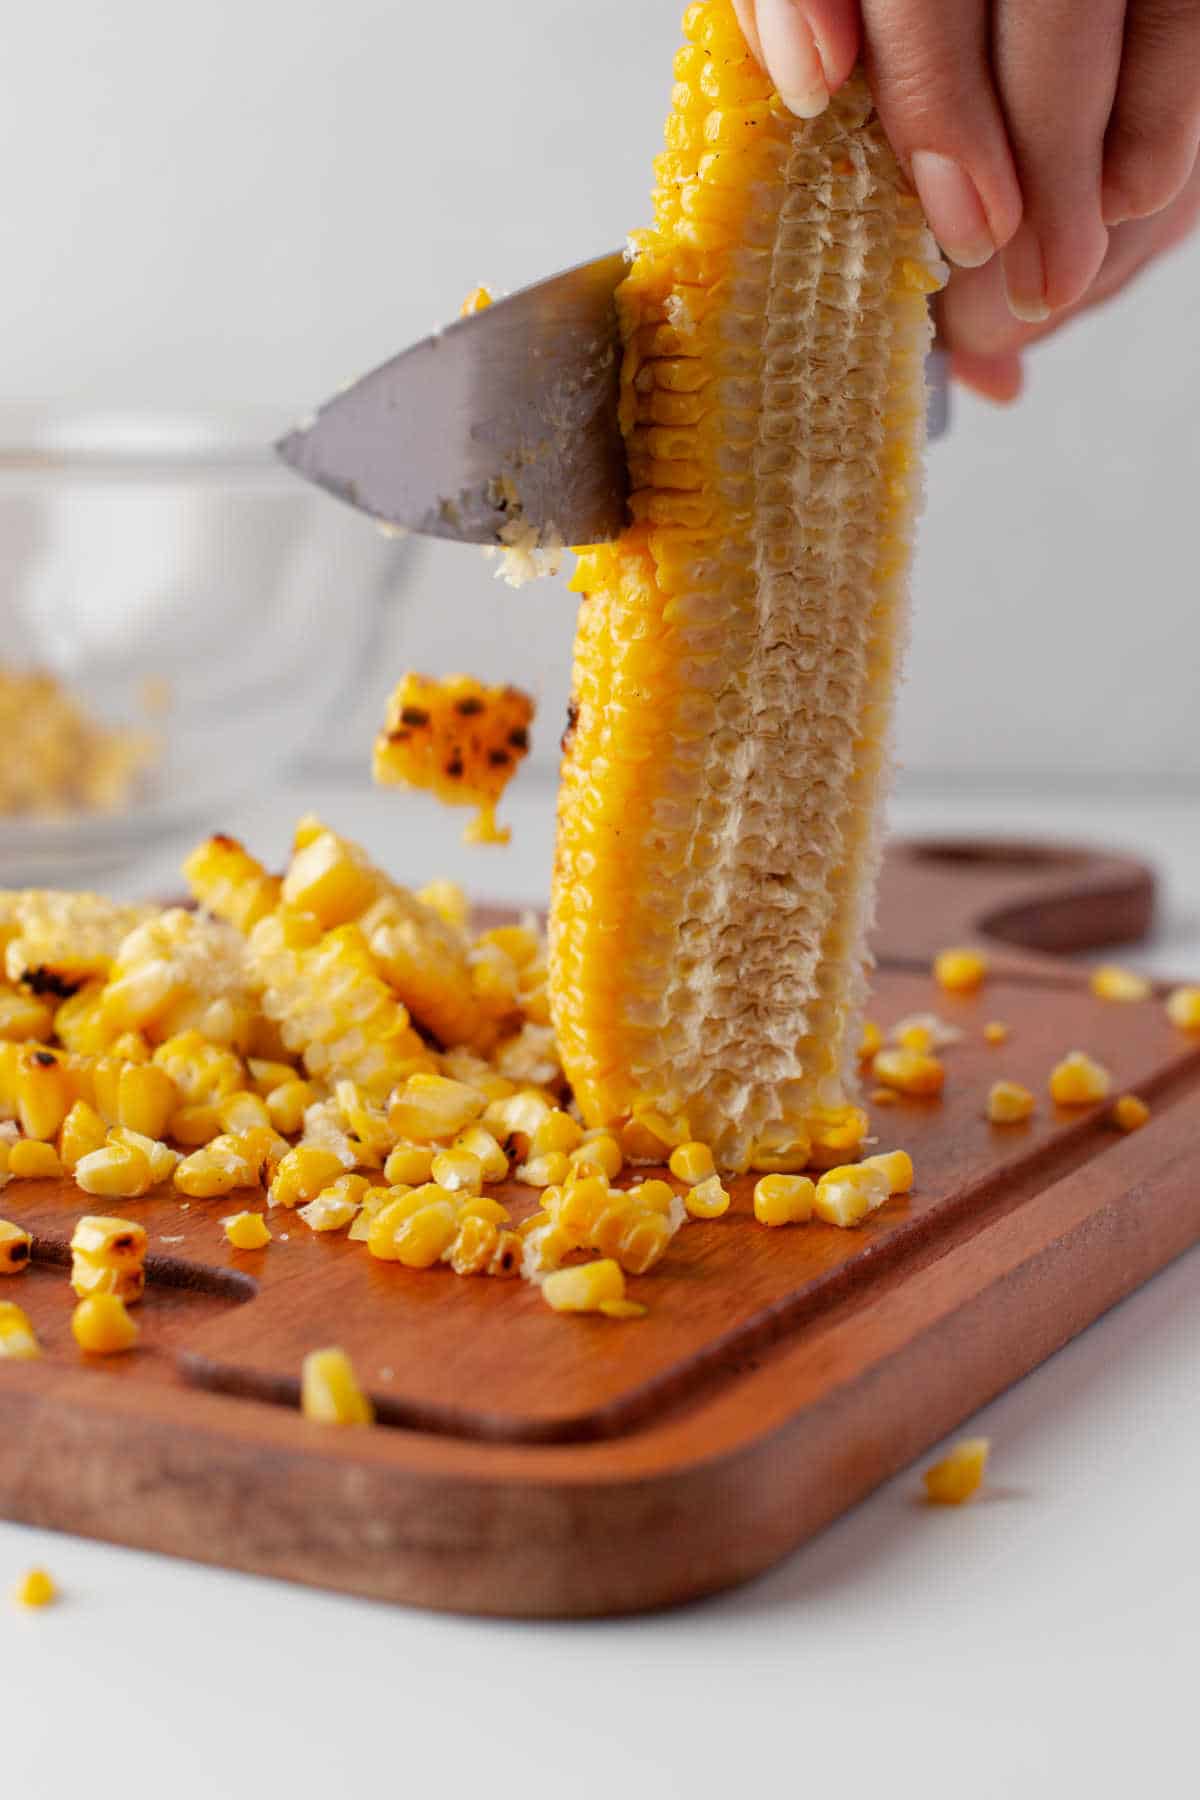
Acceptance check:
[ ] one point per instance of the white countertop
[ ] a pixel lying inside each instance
(1039, 1642)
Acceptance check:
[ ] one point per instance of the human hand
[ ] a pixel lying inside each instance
(1031, 128)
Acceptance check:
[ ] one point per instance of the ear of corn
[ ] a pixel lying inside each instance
(738, 647)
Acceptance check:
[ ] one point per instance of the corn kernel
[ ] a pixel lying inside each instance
(784, 1200)
(585, 1289)
(458, 1171)
(385, 1219)
(653, 1196)
(481, 1144)
(558, 1131)
(1130, 1114)
(374, 1201)
(83, 1131)
(1078, 1081)
(31, 1160)
(329, 1390)
(90, 1276)
(262, 1147)
(838, 1133)
(623, 1309)
(115, 1172)
(692, 1163)
(44, 1096)
(302, 1173)
(409, 1165)
(146, 1098)
(1009, 1103)
(23, 1017)
(102, 1326)
(1112, 983)
(18, 1343)
(544, 1171)
(474, 1247)
(1183, 1008)
(336, 1206)
(247, 1231)
(708, 1200)
(996, 1032)
(216, 1170)
(267, 1076)
(288, 1103)
(959, 1475)
(896, 1167)
(514, 1120)
(914, 1037)
(960, 971)
(35, 1589)
(870, 1042)
(16, 1248)
(845, 1196)
(482, 1206)
(433, 1108)
(195, 1126)
(425, 1237)
(119, 1243)
(243, 1111)
(599, 1154)
(910, 1072)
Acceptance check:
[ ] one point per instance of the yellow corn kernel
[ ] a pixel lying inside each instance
(784, 1200)
(1183, 1008)
(474, 1247)
(102, 1327)
(262, 1146)
(914, 1037)
(910, 1072)
(641, 1241)
(247, 1231)
(845, 1196)
(514, 1119)
(557, 1133)
(266, 1076)
(838, 1133)
(243, 1112)
(517, 941)
(35, 1589)
(115, 1172)
(385, 1217)
(960, 971)
(31, 1160)
(216, 1170)
(201, 1071)
(16, 1248)
(1112, 983)
(18, 1341)
(692, 1163)
(1078, 1081)
(708, 1199)
(480, 1143)
(577, 1206)
(448, 901)
(424, 1238)
(83, 1131)
(896, 1167)
(482, 1206)
(336, 1206)
(80, 1024)
(653, 1196)
(477, 301)
(22, 1017)
(374, 1201)
(543, 1171)
(90, 1276)
(959, 1475)
(130, 1047)
(507, 1257)
(329, 1390)
(1130, 1114)
(996, 1032)
(1010, 1104)
(458, 1171)
(622, 1309)
(331, 879)
(195, 1126)
(288, 1103)
(119, 1243)
(302, 1173)
(44, 1096)
(650, 1136)
(433, 1109)
(162, 1159)
(871, 1040)
(584, 1289)
(230, 884)
(408, 1165)
(599, 1154)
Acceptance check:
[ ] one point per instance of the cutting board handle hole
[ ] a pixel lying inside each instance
(983, 854)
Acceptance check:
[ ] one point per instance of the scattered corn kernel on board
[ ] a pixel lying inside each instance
(530, 1464)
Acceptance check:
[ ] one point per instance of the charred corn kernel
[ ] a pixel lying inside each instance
(31, 1160)
(302, 1174)
(1183, 1008)
(514, 1120)
(146, 1099)
(845, 1196)
(543, 1171)
(23, 1017)
(288, 1103)
(960, 1475)
(784, 1200)
(243, 1112)
(708, 1200)
(1079, 1081)
(202, 1072)
(600, 1154)
(89, 1276)
(480, 1143)
(584, 1289)
(44, 1095)
(432, 1108)
(1010, 1104)
(996, 1032)
(218, 1169)
(329, 1390)
(195, 1126)
(115, 1172)
(558, 1131)
(35, 1589)
(102, 1327)
(960, 971)
(18, 1341)
(1130, 1114)
(247, 1231)
(230, 884)
(16, 1248)
(1112, 983)
(896, 1167)
(910, 1072)
(457, 739)
(692, 1163)
(623, 1309)
(507, 1257)
(83, 1131)
(266, 1076)
(425, 1236)
(120, 1243)
(458, 1171)
(871, 1040)
(408, 1165)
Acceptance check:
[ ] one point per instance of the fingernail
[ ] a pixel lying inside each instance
(793, 57)
(953, 208)
(1025, 279)
(807, 106)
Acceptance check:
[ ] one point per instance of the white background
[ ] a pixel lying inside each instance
(248, 201)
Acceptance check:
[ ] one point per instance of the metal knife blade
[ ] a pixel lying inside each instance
(507, 417)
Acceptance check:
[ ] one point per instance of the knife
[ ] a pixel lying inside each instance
(504, 419)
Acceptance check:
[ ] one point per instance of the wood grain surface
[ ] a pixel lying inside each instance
(532, 1464)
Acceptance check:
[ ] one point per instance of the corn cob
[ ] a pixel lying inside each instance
(462, 741)
(739, 645)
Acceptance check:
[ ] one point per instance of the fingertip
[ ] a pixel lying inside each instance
(836, 26)
(1000, 379)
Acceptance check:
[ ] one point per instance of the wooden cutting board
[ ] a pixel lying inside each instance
(529, 1464)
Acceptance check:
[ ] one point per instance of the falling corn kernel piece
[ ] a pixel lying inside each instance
(623, 1309)
(960, 1475)
(996, 1032)
(459, 740)
(247, 1231)
(36, 1588)
(1009, 1103)
(1129, 1113)
(329, 1390)
(910, 1072)
(477, 301)
(960, 971)
(102, 1327)
(1183, 1008)
(1112, 983)
(1079, 1081)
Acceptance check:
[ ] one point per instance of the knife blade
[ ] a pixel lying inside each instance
(503, 421)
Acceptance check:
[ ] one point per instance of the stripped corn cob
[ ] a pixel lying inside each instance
(739, 645)
(462, 741)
